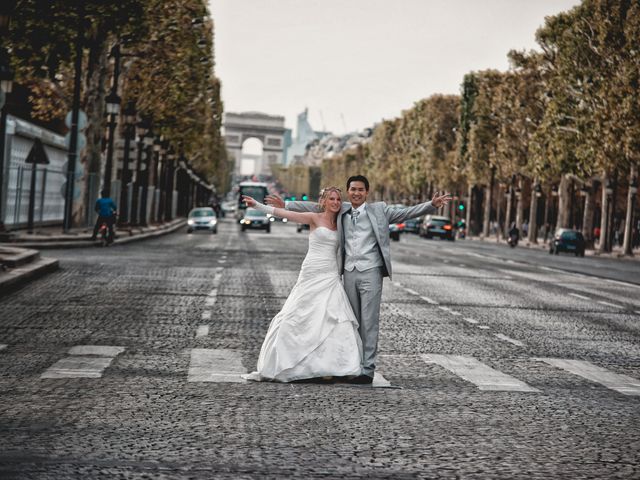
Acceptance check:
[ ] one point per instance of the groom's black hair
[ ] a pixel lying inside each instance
(358, 178)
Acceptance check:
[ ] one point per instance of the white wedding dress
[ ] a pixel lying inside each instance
(316, 333)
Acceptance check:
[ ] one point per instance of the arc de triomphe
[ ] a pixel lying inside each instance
(269, 129)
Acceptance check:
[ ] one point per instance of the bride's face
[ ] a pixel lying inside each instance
(333, 202)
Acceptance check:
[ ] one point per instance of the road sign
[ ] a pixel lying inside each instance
(37, 154)
(82, 141)
(82, 120)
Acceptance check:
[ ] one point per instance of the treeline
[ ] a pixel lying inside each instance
(166, 63)
(554, 141)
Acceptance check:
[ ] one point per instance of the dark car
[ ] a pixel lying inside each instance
(566, 240)
(395, 229)
(255, 219)
(302, 226)
(435, 226)
(412, 225)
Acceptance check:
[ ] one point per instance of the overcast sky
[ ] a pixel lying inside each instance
(356, 62)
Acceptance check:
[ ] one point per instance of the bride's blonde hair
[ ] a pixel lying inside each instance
(324, 194)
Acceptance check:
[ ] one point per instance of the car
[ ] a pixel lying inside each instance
(302, 226)
(255, 220)
(412, 225)
(229, 208)
(202, 218)
(436, 226)
(567, 240)
(395, 229)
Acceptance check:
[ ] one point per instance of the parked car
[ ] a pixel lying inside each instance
(436, 226)
(566, 240)
(302, 226)
(202, 218)
(229, 207)
(256, 220)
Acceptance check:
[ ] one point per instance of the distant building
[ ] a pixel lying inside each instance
(304, 136)
(268, 129)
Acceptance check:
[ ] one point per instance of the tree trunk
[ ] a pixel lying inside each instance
(564, 201)
(587, 217)
(469, 206)
(498, 211)
(520, 205)
(533, 214)
(507, 213)
(628, 223)
(604, 218)
(487, 211)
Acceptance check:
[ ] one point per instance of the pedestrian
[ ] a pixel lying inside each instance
(525, 229)
(106, 209)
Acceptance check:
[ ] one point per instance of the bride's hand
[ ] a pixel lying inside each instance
(274, 201)
(249, 201)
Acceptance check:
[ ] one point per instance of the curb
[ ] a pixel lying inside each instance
(18, 277)
(71, 243)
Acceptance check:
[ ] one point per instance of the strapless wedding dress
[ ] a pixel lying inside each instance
(316, 333)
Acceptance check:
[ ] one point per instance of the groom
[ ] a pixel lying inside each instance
(364, 257)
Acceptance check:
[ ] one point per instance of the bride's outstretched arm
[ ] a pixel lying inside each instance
(306, 218)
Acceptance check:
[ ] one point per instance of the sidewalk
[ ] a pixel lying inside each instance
(616, 253)
(20, 259)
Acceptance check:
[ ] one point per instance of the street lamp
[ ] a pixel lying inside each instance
(141, 130)
(113, 108)
(148, 145)
(6, 85)
(129, 117)
(538, 190)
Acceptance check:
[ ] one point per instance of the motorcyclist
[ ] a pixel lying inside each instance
(106, 209)
(514, 234)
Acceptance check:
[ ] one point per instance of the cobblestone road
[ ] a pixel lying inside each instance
(507, 370)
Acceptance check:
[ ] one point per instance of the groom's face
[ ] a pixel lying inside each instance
(357, 193)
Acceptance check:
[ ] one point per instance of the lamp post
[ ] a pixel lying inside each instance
(168, 201)
(113, 109)
(141, 130)
(6, 85)
(155, 168)
(129, 117)
(162, 180)
(148, 146)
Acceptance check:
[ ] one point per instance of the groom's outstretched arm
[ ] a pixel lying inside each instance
(396, 215)
(276, 201)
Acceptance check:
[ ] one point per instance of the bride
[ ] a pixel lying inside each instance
(315, 334)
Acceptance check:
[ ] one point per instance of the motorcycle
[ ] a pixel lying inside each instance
(106, 238)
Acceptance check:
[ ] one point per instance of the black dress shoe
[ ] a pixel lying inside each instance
(317, 380)
(361, 380)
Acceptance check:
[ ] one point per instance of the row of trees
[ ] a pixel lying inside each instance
(159, 53)
(559, 122)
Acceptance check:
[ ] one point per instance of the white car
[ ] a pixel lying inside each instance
(203, 218)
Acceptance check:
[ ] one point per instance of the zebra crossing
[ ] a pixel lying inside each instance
(226, 366)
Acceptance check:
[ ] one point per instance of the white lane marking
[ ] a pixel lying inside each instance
(397, 284)
(215, 365)
(621, 283)
(638, 312)
(620, 383)
(483, 327)
(210, 301)
(412, 292)
(446, 309)
(509, 339)
(206, 315)
(202, 331)
(602, 302)
(79, 365)
(462, 265)
(471, 321)
(98, 350)
(577, 295)
(476, 372)
(222, 261)
(453, 312)
(429, 300)
(3, 346)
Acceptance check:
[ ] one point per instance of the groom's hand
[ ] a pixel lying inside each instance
(274, 201)
(440, 200)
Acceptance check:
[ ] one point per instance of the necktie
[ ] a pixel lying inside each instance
(354, 216)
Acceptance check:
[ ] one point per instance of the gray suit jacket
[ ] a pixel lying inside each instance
(380, 215)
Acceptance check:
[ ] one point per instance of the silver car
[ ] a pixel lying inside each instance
(203, 218)
(255, 219)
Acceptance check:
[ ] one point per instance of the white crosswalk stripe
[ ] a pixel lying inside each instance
(202, 331)
(84, 361)
(3, 346)
(215, 365)
(476, 372)
(614, 381)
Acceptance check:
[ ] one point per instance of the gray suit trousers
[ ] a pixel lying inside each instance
(364, 290)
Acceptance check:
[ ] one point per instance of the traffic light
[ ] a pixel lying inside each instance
(293, 198)
(304, 197)
(461, 208)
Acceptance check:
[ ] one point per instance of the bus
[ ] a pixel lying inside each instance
(257, 190)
